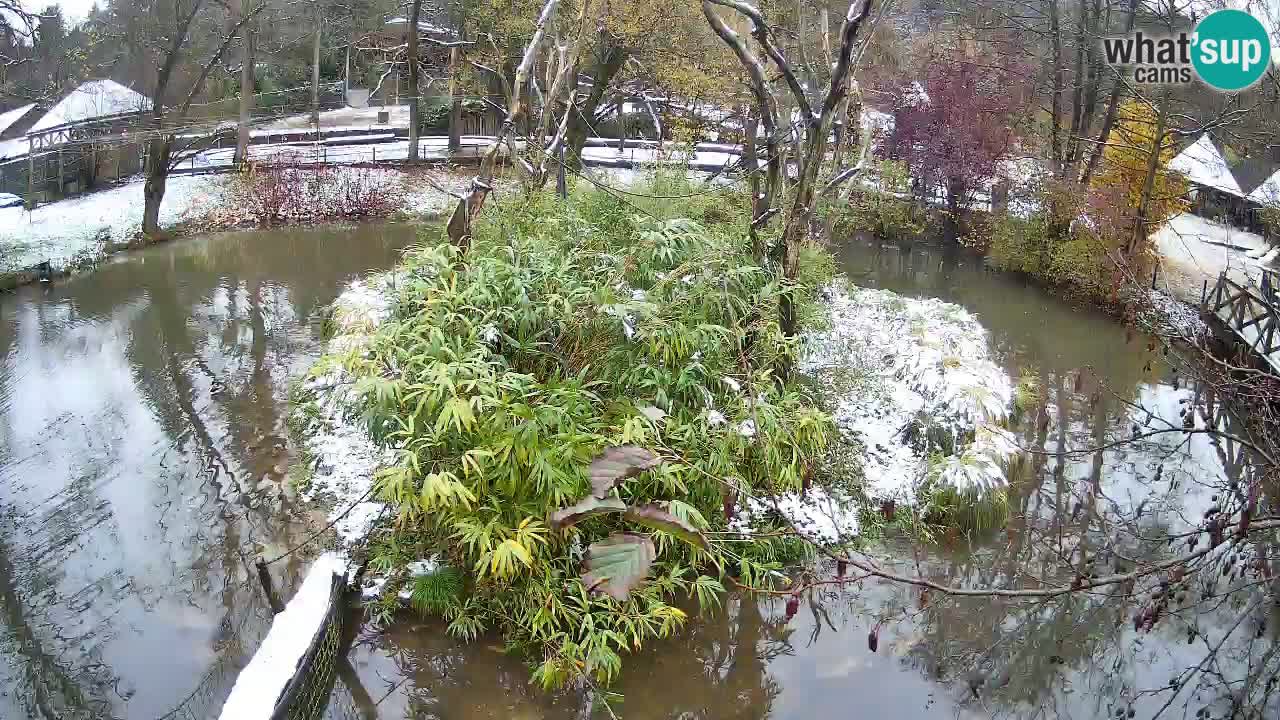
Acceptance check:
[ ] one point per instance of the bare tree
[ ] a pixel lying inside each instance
(542, 153)
(415, 102)
(248, 62)
(176, 33)
(814, 133)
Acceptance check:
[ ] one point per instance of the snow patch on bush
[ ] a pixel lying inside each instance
(821, 515)
(913, 377)
(910, 378)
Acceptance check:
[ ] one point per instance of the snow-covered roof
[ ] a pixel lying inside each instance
(12, 116)
(93, 99)
(879, 122)
(1268, 193)
(10, 149)
(423, 26)
(1202, 164)
(914, 96)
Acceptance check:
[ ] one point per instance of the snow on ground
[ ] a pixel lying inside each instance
(345, 457)
(260, 684)
(1168, 315)
(80, 229)
(1195, 250)
(708, 157)
(429, 148)
(912, 377)
(346, 117)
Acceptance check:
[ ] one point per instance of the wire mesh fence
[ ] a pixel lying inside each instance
(306, 697)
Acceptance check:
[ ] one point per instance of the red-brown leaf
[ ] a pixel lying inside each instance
(616, 464)
(619, 564)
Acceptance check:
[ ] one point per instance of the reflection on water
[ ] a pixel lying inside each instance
(1073, 658)
(143, 460)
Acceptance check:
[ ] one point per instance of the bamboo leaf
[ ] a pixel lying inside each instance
(616, 464)
(585, 508)
(619, 564)
(656, 517)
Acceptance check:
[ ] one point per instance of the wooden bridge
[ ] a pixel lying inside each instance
(1250, 313)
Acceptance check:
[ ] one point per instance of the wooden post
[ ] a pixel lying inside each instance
(562, 185)
(62, 170)
(264, 577)
(315, 70)
(622, 126)
(31, 175)
(455, 107)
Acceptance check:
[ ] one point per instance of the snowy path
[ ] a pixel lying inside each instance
(1194, 251)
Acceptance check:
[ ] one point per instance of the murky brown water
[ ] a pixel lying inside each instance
(1078, 658)
(142, 424)
(142, 454)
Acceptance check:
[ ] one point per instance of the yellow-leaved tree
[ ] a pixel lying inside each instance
(1126, 162)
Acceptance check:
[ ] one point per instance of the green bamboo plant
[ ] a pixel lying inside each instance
(575, 411)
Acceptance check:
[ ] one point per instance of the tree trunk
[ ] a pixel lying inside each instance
(469, 205)
(1149, 181)
(414, 100)
(455, 109)
(751, 166)
(158, 151)
(247, 61)
(315, 72)
(1113, 104)
(622, 123)
(1055, 106)
(607, 69)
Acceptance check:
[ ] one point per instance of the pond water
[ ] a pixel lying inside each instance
(142, 458)
(142, 466)
(1077, 658)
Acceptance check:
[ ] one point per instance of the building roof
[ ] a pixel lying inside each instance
(93, 99)
(1201, 163)
(425, 25)
(11, 117)
(1254, 170)
(1268, 193)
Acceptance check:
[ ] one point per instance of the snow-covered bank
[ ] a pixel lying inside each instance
(912, 381)
(344, 457)
(81, 229)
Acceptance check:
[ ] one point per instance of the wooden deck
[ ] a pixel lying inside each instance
(1250, 313)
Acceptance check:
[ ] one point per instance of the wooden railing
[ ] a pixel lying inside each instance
(1250, 312)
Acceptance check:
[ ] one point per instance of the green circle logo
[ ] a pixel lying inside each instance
(1231, 50)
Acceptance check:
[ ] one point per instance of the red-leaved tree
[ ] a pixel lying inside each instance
(954, 130)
